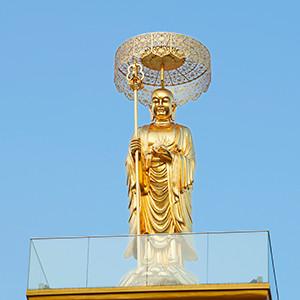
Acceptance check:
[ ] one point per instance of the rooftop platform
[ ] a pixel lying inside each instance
(253, 291)
(224, 266)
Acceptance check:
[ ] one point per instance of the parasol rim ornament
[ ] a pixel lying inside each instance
(186, 63)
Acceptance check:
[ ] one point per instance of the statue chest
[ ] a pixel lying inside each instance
(163, 137)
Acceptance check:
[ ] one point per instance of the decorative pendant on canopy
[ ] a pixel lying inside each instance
(185, 63)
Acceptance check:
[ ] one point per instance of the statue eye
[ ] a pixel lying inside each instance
(166, 99)
(155, 100)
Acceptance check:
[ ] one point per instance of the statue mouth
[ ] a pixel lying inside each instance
(161, 112)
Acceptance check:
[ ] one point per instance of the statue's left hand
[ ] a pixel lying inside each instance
(163, 154)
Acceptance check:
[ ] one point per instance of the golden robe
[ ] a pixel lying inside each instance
(165, 187)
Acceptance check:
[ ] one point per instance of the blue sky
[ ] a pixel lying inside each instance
(64, 130)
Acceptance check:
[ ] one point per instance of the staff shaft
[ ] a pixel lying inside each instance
(138, 227)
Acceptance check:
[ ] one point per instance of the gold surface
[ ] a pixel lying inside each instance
(135, 76)
(186, 64)
(170, 61)
(167, 172)
(250, 291)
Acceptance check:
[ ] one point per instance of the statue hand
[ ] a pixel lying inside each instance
(135, 145)
(162, 154)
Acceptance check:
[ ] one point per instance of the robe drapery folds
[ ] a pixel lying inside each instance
(165, 187)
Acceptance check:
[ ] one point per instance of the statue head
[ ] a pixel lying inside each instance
(162, 106)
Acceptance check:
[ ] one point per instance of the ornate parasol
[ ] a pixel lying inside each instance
(178, 62)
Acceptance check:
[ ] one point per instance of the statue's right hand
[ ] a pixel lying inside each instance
(135, 145)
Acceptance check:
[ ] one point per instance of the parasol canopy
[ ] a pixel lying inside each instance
(184, 61)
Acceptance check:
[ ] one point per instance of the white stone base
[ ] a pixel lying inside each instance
(161, 261)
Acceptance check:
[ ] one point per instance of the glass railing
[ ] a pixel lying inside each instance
(174, 259)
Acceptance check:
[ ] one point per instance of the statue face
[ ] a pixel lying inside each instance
(161, 106)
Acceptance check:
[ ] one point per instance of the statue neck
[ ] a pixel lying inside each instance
(163, 123)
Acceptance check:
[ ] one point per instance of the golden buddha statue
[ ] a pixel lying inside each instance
(167, 161)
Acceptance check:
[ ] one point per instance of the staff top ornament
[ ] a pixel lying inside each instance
(171, 60)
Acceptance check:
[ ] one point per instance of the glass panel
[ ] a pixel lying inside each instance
(273, 284)
(235, 257)
(63, 261)
(199, 265)
(37, 278)
(110, 260)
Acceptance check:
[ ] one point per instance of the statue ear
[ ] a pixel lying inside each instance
(151, 114)
(174, 106)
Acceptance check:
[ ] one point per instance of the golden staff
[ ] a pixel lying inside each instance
(135, 76)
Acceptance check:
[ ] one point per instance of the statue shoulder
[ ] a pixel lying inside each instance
(142, 130)
(183, 129)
